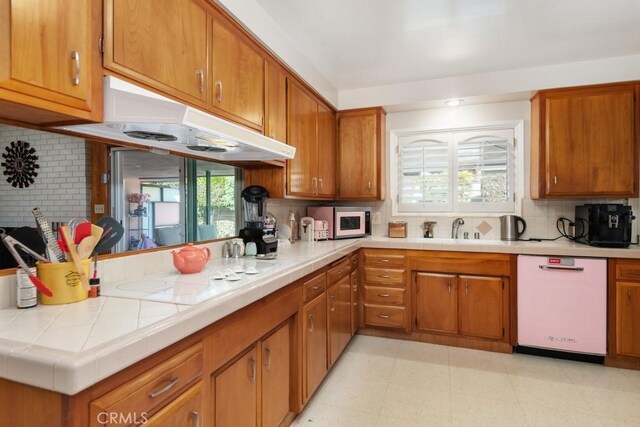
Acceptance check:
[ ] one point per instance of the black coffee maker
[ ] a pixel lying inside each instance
(606, 225)
(258, 227)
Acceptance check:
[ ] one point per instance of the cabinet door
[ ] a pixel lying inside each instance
(359, 155)
(628, 318)
(184, 411)
(590, 143)
(355, 285)
(237, 76)
(276, 102)
(480, 306)
(302, 171)
(314, 344)
(326, 152)
(338, 317)
(164, 47)
(436, 302)
(275, 377)
(236, 393)
(46, 50)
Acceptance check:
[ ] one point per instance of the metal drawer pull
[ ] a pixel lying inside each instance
(316, 287)
(384, 295)
(219, 87)
(320, 181)
(200, 74)
(628, 297)
(333, 303)
(634, 273)
(383, 316)
(172, 382)
(252, 369)
(449, 286)
(466, 288)
(384, 276)
(310, 317)
(267, 358)
(384, 260)
(557, 267)
(76, 59)
(195, 416)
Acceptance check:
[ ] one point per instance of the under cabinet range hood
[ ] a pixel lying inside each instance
(137, 116)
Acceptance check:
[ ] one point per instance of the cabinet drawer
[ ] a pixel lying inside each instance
(184, 411)
(383, 260)
(155, 388)
(384, 276)
(385, 316)
(338, 272)
(627, 270)
(381, 295)
(314, 287)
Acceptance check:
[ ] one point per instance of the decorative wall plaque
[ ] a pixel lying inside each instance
(20, 164)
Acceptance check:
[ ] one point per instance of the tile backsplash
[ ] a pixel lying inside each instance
(541, 217)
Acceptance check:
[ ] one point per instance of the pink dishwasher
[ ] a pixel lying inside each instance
(562, 304)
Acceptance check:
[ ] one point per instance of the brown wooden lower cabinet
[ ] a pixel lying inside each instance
(256, 385)
(460, 304)
(624, 314)
(436, 302)
(355, 286)
(339, 317)
(314, 344)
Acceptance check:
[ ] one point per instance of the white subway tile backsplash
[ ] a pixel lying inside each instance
(62, 187)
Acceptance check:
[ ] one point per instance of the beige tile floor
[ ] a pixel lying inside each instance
(384, 382)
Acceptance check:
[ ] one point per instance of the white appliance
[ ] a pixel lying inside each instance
(344, 221)
(320, 229)
(307, 232)
(137, 116)
(562, 304)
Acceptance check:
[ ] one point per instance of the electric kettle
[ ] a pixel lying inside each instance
(509, 227)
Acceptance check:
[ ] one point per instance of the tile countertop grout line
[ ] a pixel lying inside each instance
(183, 322)
(93, 325)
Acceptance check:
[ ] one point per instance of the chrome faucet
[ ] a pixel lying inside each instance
(455, 225)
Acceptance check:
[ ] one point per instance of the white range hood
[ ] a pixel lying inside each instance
(137, 116)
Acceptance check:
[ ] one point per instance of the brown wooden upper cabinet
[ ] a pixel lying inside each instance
(161, 45)
(237, 75)
(49, 61)
(584, 141)
(361, 154)
(275, 102)
(311, 129)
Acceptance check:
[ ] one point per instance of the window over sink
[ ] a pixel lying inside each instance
(465, 170)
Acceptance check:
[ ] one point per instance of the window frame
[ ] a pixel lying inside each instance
(515, 128)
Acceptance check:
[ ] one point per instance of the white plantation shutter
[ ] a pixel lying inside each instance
(456, 171)
(424, 173)
(485, 174)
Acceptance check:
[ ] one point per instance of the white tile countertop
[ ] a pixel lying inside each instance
(67, 348)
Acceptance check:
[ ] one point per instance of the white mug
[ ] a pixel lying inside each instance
(251, 249)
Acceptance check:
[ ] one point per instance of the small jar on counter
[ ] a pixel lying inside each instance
(26, 292)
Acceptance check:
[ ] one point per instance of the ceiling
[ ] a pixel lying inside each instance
(368, 43)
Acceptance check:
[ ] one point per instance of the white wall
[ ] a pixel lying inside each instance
(541, 215)
(62, 187)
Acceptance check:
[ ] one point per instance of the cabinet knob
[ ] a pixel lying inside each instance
(252, 369)
(200, 74)
(267, 358)
(75, 55)
(168, 386)
(219, 90)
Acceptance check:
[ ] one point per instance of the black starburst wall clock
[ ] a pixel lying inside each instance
(19, 162)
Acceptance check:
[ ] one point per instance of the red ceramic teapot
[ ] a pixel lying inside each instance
(190, 259)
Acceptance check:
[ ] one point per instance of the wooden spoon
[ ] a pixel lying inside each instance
(86, 246)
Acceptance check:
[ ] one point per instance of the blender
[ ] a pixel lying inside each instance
(259, 227)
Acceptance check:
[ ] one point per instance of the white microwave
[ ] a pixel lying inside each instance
(344, 221)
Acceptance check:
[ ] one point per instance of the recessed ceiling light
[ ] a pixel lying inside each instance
(454, 102)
